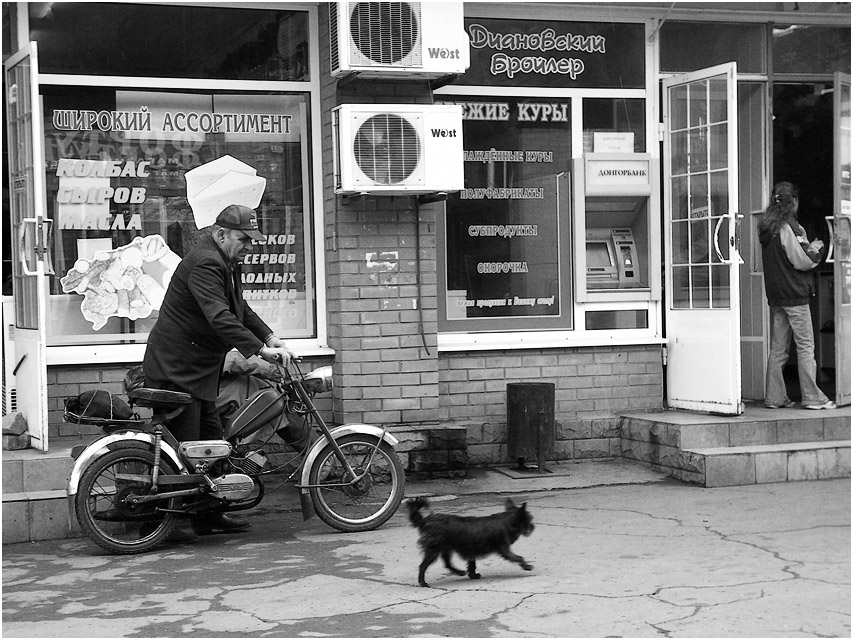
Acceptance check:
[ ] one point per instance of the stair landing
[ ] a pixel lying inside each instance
(761, 445)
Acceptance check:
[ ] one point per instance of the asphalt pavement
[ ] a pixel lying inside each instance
(618, 551)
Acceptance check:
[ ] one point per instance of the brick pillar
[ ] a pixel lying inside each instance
(382, 311)
(380, 277)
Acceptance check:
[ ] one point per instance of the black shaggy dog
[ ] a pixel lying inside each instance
(471, 537)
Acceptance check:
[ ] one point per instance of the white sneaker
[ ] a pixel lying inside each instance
(788, 404)
(829, 404)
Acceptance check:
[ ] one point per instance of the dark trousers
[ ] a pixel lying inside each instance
(198, 421)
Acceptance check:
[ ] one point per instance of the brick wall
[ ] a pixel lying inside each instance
(381, 279)
(592, 385)
(63, 382)
(68, 381)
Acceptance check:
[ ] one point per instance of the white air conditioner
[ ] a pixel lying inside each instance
(390, 149)
(398, 39)
(10, 391)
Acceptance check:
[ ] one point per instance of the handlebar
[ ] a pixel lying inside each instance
(285, 368)
(277, 355)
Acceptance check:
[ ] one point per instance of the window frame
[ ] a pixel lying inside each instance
(318, 345)
(468, 340)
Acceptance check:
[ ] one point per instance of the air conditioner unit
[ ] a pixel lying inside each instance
(390, 149)
(398, 39)
(10, 391)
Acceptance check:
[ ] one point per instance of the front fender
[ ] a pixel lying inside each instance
(102, 445)
(338, 432)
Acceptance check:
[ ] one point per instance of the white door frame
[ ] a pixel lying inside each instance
(31, 241)
(841, 236)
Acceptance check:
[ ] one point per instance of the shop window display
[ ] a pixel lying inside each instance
(507, 232)
(116, 163)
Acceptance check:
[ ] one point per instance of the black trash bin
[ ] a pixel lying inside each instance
(530, 422)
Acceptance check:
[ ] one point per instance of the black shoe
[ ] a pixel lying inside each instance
(177, 535)
(211, 522)
(181, 536)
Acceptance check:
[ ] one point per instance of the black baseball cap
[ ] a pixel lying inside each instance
(236, 216)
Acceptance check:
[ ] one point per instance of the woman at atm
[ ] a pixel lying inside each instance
(788, 259)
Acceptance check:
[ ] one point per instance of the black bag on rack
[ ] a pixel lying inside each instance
(98, 404)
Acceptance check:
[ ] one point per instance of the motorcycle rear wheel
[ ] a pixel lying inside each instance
(364, 506)
(108, 518)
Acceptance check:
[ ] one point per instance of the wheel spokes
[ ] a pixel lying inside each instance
(109, 511)
(349, 501)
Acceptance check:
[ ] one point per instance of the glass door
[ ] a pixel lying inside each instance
(701, 255)
(31, 239)
(841, 249)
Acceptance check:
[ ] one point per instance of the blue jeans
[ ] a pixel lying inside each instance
(783, 322)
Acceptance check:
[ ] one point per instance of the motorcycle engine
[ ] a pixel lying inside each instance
(232, 487)
(200, 454)
(252, 463)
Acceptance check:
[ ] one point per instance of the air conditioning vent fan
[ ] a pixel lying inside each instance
(398, 39)
(396, 149)
(385, 32)
(387, 148)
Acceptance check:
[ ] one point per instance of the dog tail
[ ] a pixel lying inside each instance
(415, 505)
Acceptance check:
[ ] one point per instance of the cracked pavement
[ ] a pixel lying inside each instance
(657, 558)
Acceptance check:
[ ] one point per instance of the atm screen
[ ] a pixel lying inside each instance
(598, 256)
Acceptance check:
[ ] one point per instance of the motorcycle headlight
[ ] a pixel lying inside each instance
(319, 380)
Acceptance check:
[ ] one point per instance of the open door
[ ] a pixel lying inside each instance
(841, 237)
(31, 242)
(701, 254)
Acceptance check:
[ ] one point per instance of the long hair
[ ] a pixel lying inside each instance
(782, 207)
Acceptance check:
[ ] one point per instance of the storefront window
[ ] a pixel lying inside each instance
(116, 189)
(810, 49)
(163, 41)
(689, 46)
(507, 233)
(616, 125)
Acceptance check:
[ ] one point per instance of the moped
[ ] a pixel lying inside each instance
(128, 488)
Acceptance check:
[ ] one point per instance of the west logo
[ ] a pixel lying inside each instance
(443, 133)
(443, 52)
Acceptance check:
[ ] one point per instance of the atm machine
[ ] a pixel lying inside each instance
(617, 231)
(611, 258)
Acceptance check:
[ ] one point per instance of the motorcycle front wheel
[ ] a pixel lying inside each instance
(367, 503)
(108, 516)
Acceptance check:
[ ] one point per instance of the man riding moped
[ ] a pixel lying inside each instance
(202, 318)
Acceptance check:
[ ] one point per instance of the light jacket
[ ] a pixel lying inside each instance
(788, 277)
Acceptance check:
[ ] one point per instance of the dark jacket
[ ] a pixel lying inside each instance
(788, 278)
(202, 318)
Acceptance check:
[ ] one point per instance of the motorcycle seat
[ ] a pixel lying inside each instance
(159, 398)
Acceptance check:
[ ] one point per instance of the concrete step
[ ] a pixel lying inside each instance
(35, 506)
(29, 470)
(432, 450)
(761, 445)
(759, 464)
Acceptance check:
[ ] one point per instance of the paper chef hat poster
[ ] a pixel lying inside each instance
(219, 183)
